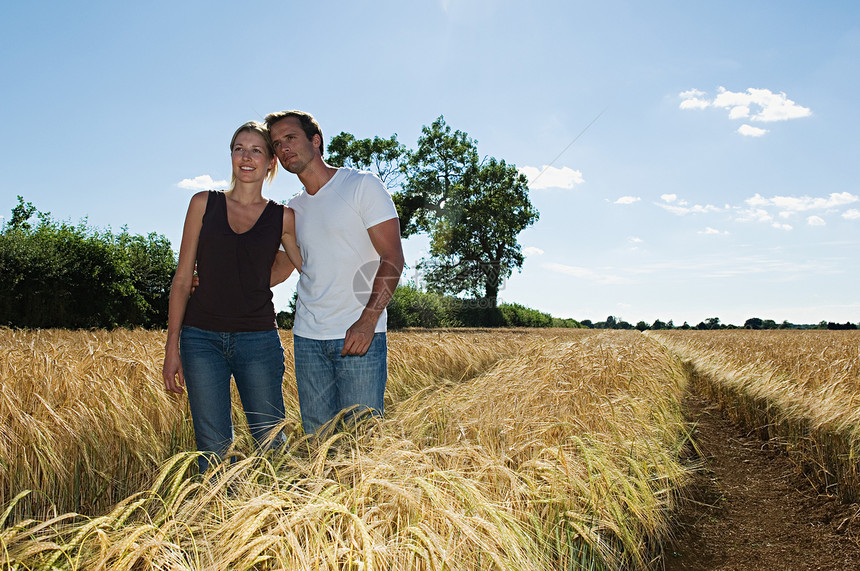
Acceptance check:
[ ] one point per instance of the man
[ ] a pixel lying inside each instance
(349, 236)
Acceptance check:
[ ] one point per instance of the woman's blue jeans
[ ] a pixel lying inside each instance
(329, 383)
(256, 361)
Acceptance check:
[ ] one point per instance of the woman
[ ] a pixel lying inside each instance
(228, 326)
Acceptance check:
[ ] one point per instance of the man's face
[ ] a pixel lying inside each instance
(292, 147)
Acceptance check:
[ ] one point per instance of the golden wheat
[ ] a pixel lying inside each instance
(499, 450)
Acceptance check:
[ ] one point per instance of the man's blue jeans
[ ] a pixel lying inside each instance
(255, 360)
(328, 383)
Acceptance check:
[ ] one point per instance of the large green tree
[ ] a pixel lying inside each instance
(474, 246)
(473, 210)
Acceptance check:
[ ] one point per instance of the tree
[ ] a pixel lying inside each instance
(438, 175)
(21, 215)
(383, 157)
(474, 246)
(709, 323)
(147, 264)
(472, 210)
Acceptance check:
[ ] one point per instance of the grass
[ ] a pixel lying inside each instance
(499, 450)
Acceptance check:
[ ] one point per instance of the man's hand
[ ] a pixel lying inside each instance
(358, 337)
(385, 237)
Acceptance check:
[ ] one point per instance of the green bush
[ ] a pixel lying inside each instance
(516, 315)
(411, 307)
(70, 276)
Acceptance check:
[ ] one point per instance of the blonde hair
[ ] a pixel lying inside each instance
(260, 129)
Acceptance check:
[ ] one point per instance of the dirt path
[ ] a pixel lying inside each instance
(753, 510)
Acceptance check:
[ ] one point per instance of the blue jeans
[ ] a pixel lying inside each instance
(328, 383)
(256, 361)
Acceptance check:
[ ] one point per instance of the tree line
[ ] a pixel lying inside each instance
(613, 322)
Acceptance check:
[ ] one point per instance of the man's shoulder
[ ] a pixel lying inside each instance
(356, 175)
(297, 197)
(362, 182)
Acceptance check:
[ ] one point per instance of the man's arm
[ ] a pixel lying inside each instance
(385, 237)
(281, 269)
(290, 258)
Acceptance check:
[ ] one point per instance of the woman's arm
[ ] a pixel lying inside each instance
(180, 290)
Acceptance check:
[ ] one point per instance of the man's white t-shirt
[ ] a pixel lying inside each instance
(338, 258)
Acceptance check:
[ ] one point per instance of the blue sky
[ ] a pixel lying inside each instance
(703, 157)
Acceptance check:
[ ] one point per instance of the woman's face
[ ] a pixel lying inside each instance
(251, 160)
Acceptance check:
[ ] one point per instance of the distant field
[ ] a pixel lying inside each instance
(501, 449)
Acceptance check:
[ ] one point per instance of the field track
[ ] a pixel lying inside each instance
(764, 404)
(750, 508)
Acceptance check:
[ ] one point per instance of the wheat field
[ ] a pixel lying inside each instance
(798, 389)
(510, 449)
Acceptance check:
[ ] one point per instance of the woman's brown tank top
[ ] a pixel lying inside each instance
(234, 270)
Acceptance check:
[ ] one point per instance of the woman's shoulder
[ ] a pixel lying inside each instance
(204, 195)
(199, 199)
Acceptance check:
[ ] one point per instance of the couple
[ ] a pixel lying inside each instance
(341, 233)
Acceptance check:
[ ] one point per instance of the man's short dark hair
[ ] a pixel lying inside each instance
(306, 120)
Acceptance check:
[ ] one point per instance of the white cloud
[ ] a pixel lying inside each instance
(803, 203)
(694, 99)
(771, 106)
(682, 209)
(634, 240)
(754, 215)
(750, 131)
(532, 251)
(756, 105)
(585, 274)
(202, 182)
(551, 177)
(776, 211)
(739, 112)
(627, 200)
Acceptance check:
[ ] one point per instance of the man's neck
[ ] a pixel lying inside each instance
(316, 177)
